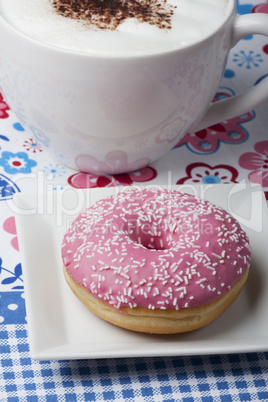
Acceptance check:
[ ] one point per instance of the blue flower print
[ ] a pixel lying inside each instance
(40, 136)
(229, 73)
(204, 144)
(16, 163)
(12, 277)
(52, 171)
(234, 134)
(18, 127)
(249, 60)
(7, 188)
(4, 138)
(211, 179)
(243, 8)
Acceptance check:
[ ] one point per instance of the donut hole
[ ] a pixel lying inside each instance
(151, 242)
(146, 237)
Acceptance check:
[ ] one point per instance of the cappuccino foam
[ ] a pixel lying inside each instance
(181, 22)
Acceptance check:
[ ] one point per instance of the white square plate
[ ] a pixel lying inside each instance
(60, 327)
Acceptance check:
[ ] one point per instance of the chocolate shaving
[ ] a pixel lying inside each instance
(109, 14)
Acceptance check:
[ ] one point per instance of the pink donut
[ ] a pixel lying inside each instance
(156, 260)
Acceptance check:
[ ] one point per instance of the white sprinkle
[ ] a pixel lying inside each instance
(201, 280)
(143, 282)
(124, 275)
(217, 255)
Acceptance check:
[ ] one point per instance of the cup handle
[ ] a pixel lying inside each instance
(244, 25)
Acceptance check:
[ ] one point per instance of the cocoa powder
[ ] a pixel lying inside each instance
(109, 14)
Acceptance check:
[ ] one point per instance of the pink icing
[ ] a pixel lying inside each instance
(156, 249)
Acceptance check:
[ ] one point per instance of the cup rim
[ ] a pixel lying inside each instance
(76, 53)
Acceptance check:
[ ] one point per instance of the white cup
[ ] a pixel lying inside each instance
(112, 114)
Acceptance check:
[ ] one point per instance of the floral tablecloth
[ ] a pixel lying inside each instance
(229, 152)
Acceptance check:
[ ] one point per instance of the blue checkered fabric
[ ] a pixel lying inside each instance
(225, 378)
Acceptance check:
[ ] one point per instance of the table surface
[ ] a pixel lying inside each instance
(230, 152)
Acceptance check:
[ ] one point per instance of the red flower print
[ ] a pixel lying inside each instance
(32, 145)
(257, 162)
(9, 226)
(206, 174)
(3, 108)
(207, 141)
(87, 180)
(261, 8)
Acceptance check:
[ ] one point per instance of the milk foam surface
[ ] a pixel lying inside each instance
(192, 20)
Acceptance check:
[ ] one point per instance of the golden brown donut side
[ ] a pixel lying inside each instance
(158, 321)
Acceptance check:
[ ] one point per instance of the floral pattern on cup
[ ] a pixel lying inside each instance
(43, 121)
(208, 141)
(87, 180)
(202, 173)
(40, 136)
(171, 131)
(195, 102)
(114, 162)
(257, 163)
